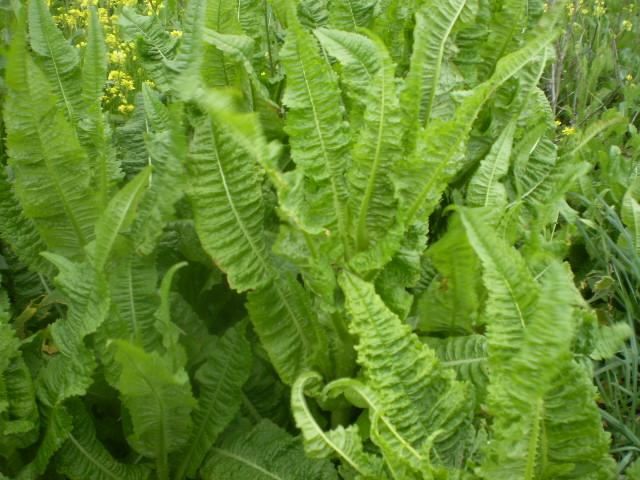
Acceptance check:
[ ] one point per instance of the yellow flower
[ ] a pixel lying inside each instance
(125, 109)
(629, 77)
(568, 131)
(558, 122)
(80, 44)
(176, 33)
(117, 56)
(627, 25)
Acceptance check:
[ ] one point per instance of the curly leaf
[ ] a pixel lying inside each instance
(346, 443)
(417, 395)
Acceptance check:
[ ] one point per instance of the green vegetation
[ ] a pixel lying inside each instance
(394, 239)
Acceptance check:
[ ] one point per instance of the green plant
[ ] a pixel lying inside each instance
(386, 206)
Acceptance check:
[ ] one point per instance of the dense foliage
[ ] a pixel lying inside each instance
(318, 240)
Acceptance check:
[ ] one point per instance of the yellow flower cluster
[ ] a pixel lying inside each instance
(72, 16)
(599, 8)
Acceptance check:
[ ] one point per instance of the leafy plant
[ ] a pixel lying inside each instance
(354, 207)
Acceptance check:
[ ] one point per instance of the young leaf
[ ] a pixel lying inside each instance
(484, 188)
(118, 215)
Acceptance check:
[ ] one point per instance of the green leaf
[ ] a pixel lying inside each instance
(377, 149)
(83, 457)
(349, 15)
(345, 443)
(154, 45)
(410, 384)
(94, 69)
(508, 22)
(18, 231)
(133, 292)
(175, 356)
(157, 113)
(159, 402)
(359, 60)
(225, 194)
(630, 213)
(264, 453)
(185, 68)
(51, 170)
(317, 132)
(281, 315)
(434, 24)
(220, 378)
(118, 215)
(167, 152)
(484, 188)
(451, 302)
(58, 425)
(468, 356)
(58, 59)
(87, 293)
(610, 340)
